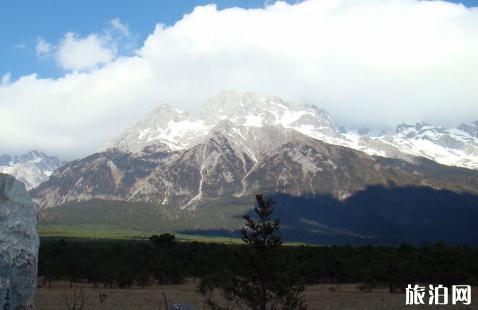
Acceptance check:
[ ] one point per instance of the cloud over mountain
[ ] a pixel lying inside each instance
(369, 63)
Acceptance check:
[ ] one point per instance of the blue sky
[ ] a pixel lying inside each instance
(22, 22)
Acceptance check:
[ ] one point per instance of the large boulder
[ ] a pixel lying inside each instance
(18, 245)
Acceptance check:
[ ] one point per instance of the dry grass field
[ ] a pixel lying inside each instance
(347, 296)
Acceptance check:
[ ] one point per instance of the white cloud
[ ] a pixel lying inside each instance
(6, 78)
(117, 25)
(42, 47)
(369, 62)
(78, 53)
(75, 53)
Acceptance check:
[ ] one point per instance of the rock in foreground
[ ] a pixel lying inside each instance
(18, 245)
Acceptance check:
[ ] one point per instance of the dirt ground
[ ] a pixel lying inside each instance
(347, 296)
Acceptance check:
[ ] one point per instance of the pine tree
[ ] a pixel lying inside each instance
(266, 279)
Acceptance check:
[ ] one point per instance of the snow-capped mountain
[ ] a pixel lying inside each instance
(203, 171)
(174, 130)
(31, 168)
(178, 130)
(454, 147)
(244, 143)
(165, 127)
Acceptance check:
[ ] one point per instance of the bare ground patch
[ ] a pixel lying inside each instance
(323, 296)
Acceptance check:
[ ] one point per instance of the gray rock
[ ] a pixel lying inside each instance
(18, 245)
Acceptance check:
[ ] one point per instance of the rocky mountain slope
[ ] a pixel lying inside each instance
(244, 143)
(31, 168)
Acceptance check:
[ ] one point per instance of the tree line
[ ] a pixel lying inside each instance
(141, 262)
(260, 273)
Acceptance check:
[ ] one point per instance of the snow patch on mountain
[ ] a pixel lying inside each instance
(32, 168)
(166, 126)
(248, 118)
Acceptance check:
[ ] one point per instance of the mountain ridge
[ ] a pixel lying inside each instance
(207, 175)
(455, 147)
(31, 168)
(245, 142)
(221, 168)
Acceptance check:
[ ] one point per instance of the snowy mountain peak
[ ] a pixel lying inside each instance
(39, 157)
(470, 128)
(177, 130)
(165, 125)
(231, 102)
(410, 130)
(165, 112)
(160, 117)
(249, 119)
(31, 168)
(255, 110)
(450, 138)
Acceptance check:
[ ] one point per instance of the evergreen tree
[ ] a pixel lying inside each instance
(266, 279)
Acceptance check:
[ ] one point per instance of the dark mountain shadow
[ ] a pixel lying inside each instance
(378, 215)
